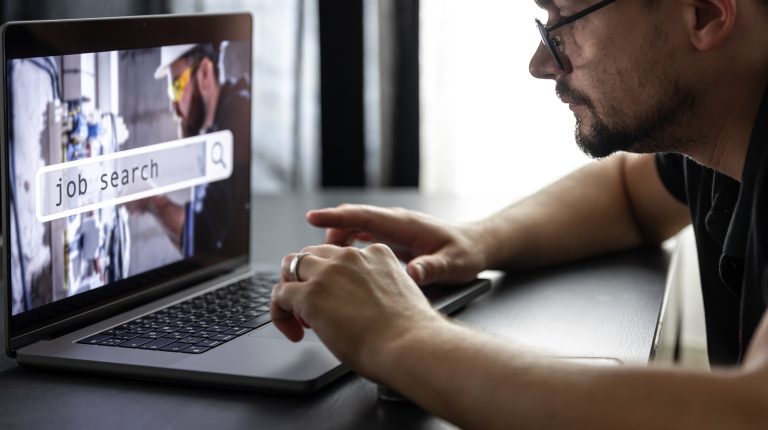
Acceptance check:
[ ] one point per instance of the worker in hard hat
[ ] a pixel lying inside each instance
(215, 221)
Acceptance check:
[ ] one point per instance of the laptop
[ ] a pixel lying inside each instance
(127, 207)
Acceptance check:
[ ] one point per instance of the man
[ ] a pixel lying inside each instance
(642, 77)
(214, 222)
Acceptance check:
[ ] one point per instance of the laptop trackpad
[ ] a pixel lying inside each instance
(272, 332)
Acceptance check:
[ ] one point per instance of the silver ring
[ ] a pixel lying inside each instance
(293, 268)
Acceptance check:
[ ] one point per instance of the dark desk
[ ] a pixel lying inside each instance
(607, 307)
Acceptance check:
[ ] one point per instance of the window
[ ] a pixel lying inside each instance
(483, 127)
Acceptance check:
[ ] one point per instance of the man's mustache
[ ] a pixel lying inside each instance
(568, 94)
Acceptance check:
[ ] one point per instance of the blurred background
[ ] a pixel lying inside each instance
(428, 94)
(432, 94)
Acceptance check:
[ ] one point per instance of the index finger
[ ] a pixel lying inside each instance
(393, 225)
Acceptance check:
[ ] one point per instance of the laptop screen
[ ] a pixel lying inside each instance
(126, 158)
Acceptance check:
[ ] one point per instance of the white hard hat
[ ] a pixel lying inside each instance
(169, 54)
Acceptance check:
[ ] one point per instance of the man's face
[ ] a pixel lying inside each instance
(190, 107)
(621, 81)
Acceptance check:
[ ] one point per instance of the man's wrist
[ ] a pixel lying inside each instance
(391, 353)
(486, 235)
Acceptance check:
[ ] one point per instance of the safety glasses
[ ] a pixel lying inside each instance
(177, 85)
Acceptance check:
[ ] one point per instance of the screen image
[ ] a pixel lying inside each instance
(125, 162)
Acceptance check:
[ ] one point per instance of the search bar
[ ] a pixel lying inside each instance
(93, 183)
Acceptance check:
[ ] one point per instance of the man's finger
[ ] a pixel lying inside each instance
(380, 222)
(286, 299)
(323, 251)
(303, 270)
(286, 322)
(429, 269)
(340, 236)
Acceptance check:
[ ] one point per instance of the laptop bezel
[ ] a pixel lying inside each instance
(145, 293)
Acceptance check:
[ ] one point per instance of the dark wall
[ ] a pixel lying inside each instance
(22, 10)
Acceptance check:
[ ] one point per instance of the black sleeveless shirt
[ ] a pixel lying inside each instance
(730, 221)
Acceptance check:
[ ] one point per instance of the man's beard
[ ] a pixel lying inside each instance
(652, 131)
(192, 123)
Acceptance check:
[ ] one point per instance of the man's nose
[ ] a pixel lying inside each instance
(543, 65)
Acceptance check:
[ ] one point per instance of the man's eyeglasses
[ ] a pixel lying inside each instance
(553, 43)
(177, 85)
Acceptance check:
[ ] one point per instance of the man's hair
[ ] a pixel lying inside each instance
(210, 51)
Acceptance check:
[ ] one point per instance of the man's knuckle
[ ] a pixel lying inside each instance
(286, 260)
(398, 210)
(380, 249)
(348, 254)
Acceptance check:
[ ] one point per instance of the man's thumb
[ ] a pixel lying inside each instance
(427, 269)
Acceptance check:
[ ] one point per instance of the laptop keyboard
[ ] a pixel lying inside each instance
(197, 324)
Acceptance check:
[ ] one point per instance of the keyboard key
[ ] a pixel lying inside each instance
(191, 339)
(175, 347)
(135, 343)
(237, 331)
(222, 337)
(113, 341)
(194, 349)
(205, 333)
(256, 322)
(127, 335)
(176, 335)
(209, 343)
(157, 343)
(154, 334)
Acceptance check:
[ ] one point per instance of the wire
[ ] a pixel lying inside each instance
(49, 66)
(14, 204)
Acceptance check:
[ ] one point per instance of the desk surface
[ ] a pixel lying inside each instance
(606, 307)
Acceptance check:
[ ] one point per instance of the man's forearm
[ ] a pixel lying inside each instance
(589, 212)
(477, 381)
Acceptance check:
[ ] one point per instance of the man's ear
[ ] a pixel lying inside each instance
(709, 22)
(205, 75)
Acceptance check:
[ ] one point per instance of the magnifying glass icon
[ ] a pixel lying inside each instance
(217, 154)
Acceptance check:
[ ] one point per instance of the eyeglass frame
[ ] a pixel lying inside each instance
(545, 31)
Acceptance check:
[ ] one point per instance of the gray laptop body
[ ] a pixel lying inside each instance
(92, 152)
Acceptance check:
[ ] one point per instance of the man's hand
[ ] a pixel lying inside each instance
(358, 301)
(434, 250)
